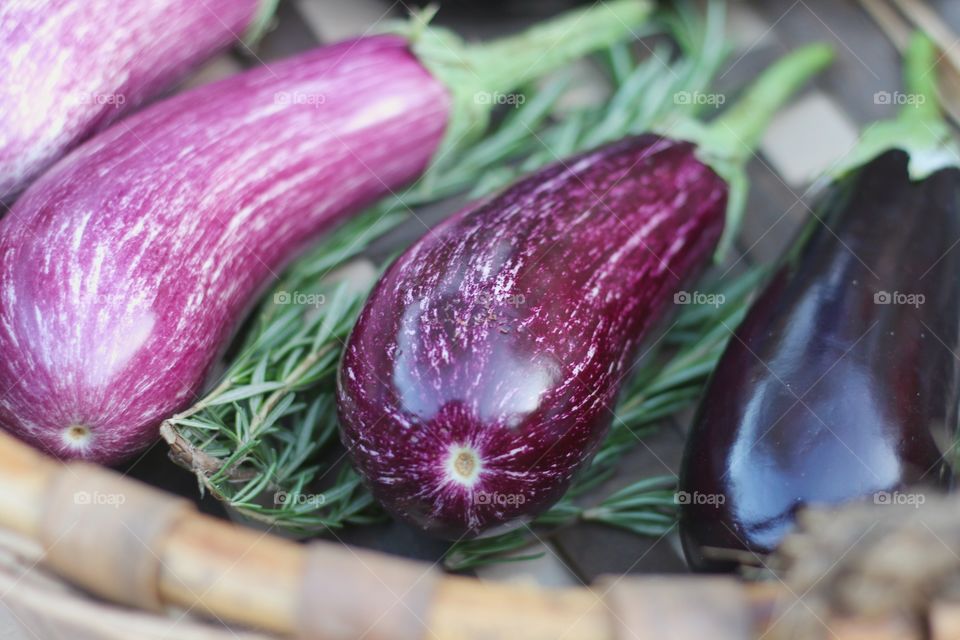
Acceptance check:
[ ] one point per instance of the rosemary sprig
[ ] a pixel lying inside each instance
(264, 440)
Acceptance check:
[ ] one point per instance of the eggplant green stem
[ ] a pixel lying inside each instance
(728, 142)
(920, 79)
(479, 76)
(738, 131)
(919, 128)
(261, 22)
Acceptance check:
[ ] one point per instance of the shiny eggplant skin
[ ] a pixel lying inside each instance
(841, 383)
(481, 374)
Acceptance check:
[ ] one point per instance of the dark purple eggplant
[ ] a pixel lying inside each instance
(483, 369)
(841, 383)
(481, 374)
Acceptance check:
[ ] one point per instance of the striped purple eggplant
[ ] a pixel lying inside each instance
(126, 268)
(482, 373)
(70, 67)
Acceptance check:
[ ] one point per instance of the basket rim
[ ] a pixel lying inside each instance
(271, 584)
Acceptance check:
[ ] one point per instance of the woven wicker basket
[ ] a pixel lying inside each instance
(86, 553)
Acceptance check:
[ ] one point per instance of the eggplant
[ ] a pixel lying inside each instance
(125, 270)
(482, 372)
(71, 67)
(841, 383)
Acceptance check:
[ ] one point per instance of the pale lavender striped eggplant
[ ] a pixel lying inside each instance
(126, 267)
(482, 372)
(70, 67)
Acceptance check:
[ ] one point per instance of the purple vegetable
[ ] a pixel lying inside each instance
(70, 67)
(482, 373)
(126, 268)
(842, 381)
(483, 370)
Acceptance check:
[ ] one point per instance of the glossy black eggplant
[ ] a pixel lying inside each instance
(843, 372)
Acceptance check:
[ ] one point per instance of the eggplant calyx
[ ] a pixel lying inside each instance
(929, 145)
(479, 76)
(919, 128)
